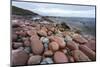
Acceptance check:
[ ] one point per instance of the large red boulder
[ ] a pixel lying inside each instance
(36, 45)
(72, 45)
(19, 57)
(60, 57)
(79, 56)
(90, 53)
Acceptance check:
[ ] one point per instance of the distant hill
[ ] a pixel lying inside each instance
(20, 11)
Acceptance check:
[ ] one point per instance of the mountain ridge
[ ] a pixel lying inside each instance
(21, 11)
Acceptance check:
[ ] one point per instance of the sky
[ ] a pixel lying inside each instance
(51, 9)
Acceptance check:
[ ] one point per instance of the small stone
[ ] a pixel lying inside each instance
(48, 53)
(24, 39)
(52, 29)
(26, 43)
(38, 27)
(47, 61)
(19, 39)
(42, 33)
(31, 32)
(31, 54)
(67, 38)
(64, 33)
(27, 50)
(60, 57)
(44, 40)
(22, 48)
(49, 33)
(14, 37)
(22, 33)
(71, 59)
(53, 46)
(64, 51)
(79, 39)
(35, 59)
(17, 45)
(44, 28)
(15, 24)
(43, 62)
(46, 46)
(59, 35)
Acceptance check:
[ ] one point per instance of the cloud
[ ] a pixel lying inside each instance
(57, 9)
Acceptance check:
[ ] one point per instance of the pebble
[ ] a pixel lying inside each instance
(31, 32)
(48, 53)
(26, 41)
(79, 39)
(64, 51)
(67, 38)
(47, 61)
(53, 46)
(44, 28)
(42, 33)
(17, 45)
(27, 50)
(14, 37)
(44, 40)
(49, 33)
(71, 59)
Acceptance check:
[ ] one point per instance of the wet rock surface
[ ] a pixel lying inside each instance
(34, 42)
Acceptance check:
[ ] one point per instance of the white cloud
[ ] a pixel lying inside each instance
(58, 9)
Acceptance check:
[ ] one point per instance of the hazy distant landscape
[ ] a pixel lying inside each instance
(86, 25)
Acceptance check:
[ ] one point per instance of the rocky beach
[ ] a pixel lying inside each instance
(40, 37)
(42, 41)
